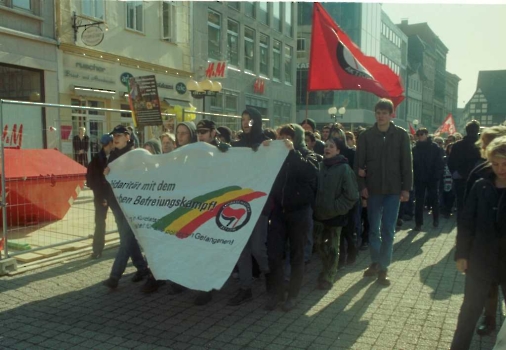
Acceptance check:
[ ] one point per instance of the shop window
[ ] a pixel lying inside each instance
(213, 35)
(233, 43)
(249, 49)
(22, 4)
(276, 53)
(93, 8)
(169, 11)
(264, 55)
(134, 16)
(301, 44)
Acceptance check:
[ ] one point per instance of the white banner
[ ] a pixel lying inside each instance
(194, 209)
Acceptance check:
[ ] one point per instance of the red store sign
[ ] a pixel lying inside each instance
(259, 86)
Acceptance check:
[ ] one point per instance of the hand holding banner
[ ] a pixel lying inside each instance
(193, 210)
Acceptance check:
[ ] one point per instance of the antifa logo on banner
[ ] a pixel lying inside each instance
(233, 216)
(349, 63)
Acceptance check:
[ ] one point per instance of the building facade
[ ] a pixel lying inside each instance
(95, 67)
(414, 99)
(257, 40)
(28, 71)
(451, 95)
(487, 104)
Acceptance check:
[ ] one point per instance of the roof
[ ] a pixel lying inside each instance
(424, 32)
(493, 85)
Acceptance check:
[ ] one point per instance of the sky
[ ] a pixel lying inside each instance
(473, 34)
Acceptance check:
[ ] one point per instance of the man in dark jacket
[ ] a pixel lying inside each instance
(310, 125)
(128, 245)
(385, 177)
(464, 157)
(292, 195)
(427, 170)
(97, 183)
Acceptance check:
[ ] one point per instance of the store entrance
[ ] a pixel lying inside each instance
(93, 121)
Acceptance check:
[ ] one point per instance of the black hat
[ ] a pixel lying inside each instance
(120, 129)
(226, 133)
(206, 124)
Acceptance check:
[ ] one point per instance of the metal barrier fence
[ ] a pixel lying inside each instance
(44, 200)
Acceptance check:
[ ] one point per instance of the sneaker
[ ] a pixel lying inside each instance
(382, 279)
(111, 282)
(175, 289)
(364, 246)
(487, 327)
(242, 296)
(203, 298)
(372, 270)
(151, 285)
(289, 304)
(139, 275)
(417, 228)
(95, 256)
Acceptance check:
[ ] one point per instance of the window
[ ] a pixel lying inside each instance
(231, 104)
(169, 21)
(276, 16)
(263, 12)
(213, 35)
(288, 19)
(93, 8)
(288, 64)
(233, 43)
(276, 53)
(134, 15)
(249, 49)
(264, 55)
(301, 44)
(22, 4)
(249, 9)
(234, 4)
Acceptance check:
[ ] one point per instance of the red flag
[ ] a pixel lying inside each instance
(336, 63)
(1, 245)
(412, 130)
(448, 126)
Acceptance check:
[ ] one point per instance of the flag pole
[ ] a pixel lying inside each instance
(307, 102)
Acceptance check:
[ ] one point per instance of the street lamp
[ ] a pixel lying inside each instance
(334, 112)
(203, 89)
(415, 123)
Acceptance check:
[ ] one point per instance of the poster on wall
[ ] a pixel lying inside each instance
(22, 127)
(65, 132)
(144, 101)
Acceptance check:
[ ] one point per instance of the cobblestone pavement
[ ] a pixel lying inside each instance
(65, 306)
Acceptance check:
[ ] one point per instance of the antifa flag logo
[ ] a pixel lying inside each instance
(233, 216)
(349, 63)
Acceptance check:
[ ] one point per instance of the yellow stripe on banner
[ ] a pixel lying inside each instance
(194, 213)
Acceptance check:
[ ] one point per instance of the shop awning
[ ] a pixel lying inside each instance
(92, 92)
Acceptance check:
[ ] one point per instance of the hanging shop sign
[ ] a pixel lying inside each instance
(92, 36)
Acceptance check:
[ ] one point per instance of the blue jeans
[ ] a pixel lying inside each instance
(128, 247)
(382, 211)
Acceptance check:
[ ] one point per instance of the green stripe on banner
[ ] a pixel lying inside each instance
(168, 219)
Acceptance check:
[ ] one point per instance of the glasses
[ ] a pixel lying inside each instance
(420, 134)
(203, 131)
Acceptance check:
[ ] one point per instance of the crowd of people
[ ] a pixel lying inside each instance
(340, 192)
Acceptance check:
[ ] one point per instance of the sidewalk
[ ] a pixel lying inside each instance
(65, 306)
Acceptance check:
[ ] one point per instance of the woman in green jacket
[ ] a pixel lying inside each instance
(337, 193)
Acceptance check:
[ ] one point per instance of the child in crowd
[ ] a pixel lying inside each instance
(337, 193)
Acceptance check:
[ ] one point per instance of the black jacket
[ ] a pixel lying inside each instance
(95, 178)
(464, 157)
(481, 233)
(477, 173)
(319, 147)
(428, 164)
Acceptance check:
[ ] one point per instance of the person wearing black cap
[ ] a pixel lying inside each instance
(206, 132)
(309, 125)
(128, 245)
(96, 182)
